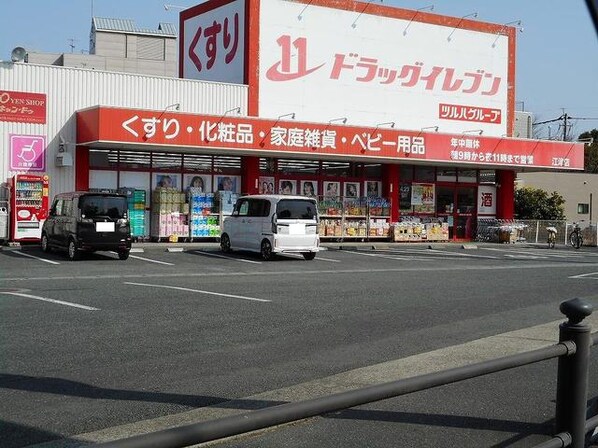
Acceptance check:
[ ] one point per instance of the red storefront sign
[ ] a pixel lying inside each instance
(140, 127)
(22, 107)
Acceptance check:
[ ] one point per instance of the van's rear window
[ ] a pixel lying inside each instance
(296, 209)
(95, 206)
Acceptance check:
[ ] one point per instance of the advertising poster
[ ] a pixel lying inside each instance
(352, 189)
(228, 183)
(331, 189)
(201, 181)
(422, 198)
(309, 188)
(266, 185)
(167, 180)
(373, 188)
(287, 187)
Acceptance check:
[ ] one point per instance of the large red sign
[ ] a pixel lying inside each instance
(146, 127)
(22, 107)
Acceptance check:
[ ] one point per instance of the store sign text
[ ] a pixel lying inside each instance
(22, 107)
(293, 64)
(469, 113)
(228, 31)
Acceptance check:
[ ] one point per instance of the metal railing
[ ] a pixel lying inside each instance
(573, 351)
(531, 231)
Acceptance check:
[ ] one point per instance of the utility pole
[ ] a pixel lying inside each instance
(565, 126)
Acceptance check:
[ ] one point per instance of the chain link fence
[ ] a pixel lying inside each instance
(531, 231)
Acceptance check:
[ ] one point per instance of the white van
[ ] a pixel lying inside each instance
(271, 224)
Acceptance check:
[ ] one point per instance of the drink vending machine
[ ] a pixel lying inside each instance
(28, 206)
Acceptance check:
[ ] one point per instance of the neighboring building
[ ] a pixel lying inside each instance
(407, 116)
(580, 191)
(118, 45)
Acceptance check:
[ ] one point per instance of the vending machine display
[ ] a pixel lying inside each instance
(28, 206)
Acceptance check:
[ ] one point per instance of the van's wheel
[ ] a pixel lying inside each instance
(73, 252)
(45, 245)
(266, 250)
(225, 243)
(123, 254)
(309, 255)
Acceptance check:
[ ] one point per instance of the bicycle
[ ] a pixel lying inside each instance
(575, 238)
(551, 236)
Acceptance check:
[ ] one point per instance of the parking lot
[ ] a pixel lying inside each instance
(155, 338)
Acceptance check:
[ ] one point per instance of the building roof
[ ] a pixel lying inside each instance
(128, 26)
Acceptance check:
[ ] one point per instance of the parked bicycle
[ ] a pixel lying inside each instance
(551, 236)
(575, 238)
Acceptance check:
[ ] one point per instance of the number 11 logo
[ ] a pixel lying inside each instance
(282, 70)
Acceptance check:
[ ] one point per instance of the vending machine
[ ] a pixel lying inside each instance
(28, 206)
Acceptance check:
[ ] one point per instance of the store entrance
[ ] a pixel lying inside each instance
(456, 204)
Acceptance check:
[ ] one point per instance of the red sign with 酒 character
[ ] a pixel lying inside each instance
(145, 127)
(22, 107)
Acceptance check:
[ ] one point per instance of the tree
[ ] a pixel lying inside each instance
(591, 151)
(534, 203)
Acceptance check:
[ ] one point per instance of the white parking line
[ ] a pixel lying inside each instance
(377, 255)
(150, 260)
(179, 288)
(33, 256)
(45, 299)
(541, 254)
(225, 257)
(457, 254)
(588, 275)
(317, 258)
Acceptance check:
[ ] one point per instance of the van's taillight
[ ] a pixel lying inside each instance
(274, 224)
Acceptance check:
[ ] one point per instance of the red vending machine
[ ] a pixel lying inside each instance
(28, 206)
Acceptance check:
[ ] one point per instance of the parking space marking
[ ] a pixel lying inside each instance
(535, 253)
(457, 254)
(150, 260)
(378, 255)
(588, 276)
(179, 288)
(45, 299)
(201, 252)
(317, 258)
(33, 256)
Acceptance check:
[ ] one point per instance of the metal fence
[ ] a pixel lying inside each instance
(531, 231)
(571, 426)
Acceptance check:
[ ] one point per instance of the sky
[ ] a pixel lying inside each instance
(556, 62)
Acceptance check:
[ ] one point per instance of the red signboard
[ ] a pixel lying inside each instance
(22, 107)
(145, 127)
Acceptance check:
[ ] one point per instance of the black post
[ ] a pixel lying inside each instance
(572, 381)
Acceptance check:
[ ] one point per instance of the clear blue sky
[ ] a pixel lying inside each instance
(557, 53)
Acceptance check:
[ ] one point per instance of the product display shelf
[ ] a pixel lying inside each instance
(417, 231)
(204, 221)
(169, 219)
(136, 209)
(224, 202)
(353, 218)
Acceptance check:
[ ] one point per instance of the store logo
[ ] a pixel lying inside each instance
(282, 70)
(486, 199)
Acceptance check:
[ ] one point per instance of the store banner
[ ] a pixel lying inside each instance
(22, 107)
(487, 200)
(27, 152)
(149, 128)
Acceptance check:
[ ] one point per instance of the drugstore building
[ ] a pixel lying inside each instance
(387, 115)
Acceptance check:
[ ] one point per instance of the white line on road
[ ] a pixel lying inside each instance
(445, 252)
(33, 256)
(378, 255)
(588, 275)
(150, 260)
(45, 299)
(225, 257)
(317, 258)
(543, 254)
(179, 288)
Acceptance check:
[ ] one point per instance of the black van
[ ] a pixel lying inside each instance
(86, 221)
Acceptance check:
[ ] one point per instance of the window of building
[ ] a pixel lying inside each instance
(103, 158)
(406, 173)
(372, 170)
(331, 168)
(468, 176)
(446, 175)
(227, 164)
(583, 209)
(487, 176)
(267, 165)
(425, 174)
(292, 166)
(197, 163)
(166, 161)
(134, 160)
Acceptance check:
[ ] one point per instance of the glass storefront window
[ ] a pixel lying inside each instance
(225, 164)
(136, 160)
(406, 173)
(466, 200)
(405, 198)
(267, 165)
(487, 176)
(468, 176)
(446, 175)
(197, 163)
(165, 161)
(445, 199)
(103, 158)
(291, 166)
(330, 168)
(425, 174)
(372, 170)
